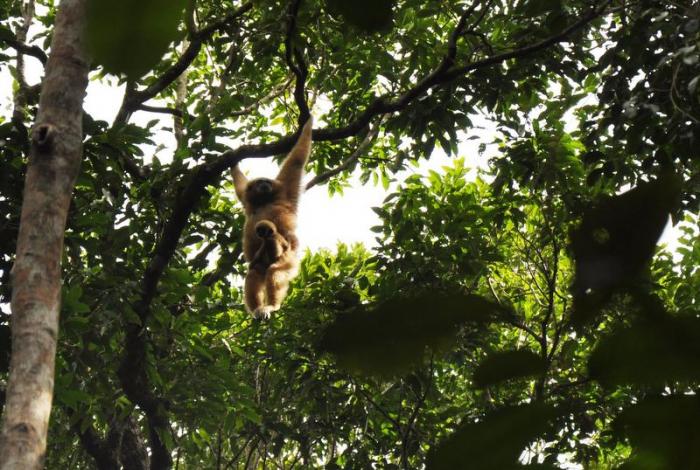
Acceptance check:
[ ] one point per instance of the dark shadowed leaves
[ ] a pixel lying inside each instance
(495, 442)
(507, 365)
(392, 338)
(367, 15)
(616, 240)
(130, 36)
(654, 351)
(664, 433)
(4, 348)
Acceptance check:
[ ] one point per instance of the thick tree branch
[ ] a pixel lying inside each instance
(21, 47)
(135, 382)
(104, 452)
(449, 58)
(132, 451)
(120, 448)
(296, 63)
(189, 17)
(206, 32)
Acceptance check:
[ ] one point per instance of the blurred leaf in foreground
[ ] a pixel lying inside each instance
(496, 442)
(507, 365)
(392, 338)
(664, 433)
(367, 15)
(616, 240)
(653, 351)
(130, 36)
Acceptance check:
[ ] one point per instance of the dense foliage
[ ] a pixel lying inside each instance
(521, 316)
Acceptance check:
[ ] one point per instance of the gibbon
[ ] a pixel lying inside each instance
(269, 243)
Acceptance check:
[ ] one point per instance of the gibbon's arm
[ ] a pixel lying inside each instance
(270, 251)
(239, 182)
(293, 166)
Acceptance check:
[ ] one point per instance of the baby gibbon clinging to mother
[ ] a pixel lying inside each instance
(269, 243)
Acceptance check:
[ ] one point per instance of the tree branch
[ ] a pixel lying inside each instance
(161, 109)
(299, 69)
(21, 95)
(384, 413)
(529, 49)
(104, 452)
(359, 151)
(274, 93)
(134, 380)
(189, 17)
(410, 424)
(34, 51)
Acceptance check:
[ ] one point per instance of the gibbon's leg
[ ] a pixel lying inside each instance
(254, 290)
(277, 282)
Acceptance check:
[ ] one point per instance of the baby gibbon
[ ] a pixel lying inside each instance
(269, 243)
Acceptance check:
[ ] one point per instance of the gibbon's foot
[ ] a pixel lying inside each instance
(265, 229)
(263, 313)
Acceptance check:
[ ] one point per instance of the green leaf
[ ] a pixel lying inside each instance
(71, 397)
(508, 365)
(130, 36)
(252, 415)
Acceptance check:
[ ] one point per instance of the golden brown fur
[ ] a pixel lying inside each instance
(269, 241)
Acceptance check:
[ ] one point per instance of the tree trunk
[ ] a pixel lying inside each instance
(54, 161)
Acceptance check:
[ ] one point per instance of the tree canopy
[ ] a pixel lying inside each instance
(518, 316)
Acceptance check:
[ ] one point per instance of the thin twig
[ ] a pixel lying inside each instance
(274, 93)
(161, 109)
(361, 149)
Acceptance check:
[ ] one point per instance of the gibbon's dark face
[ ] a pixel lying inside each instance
(262, 191)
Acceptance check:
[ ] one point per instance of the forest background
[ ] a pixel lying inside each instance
(513, 310)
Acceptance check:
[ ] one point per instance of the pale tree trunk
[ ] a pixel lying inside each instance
(180, 98)
(54, 161)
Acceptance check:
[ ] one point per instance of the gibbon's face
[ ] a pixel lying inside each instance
(262, 191)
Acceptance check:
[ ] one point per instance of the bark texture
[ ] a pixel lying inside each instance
(54, 162)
